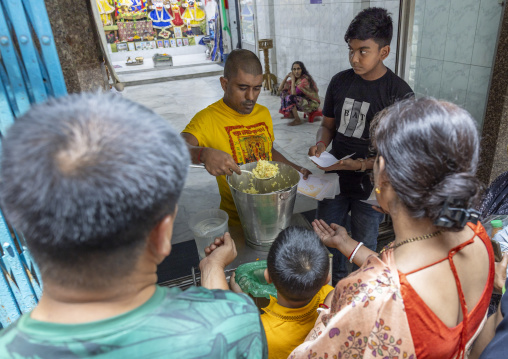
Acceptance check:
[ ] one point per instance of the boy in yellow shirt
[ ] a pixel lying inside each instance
(299, 267)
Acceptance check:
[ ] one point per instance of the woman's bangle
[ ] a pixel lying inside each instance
(352, 255)
(322, 143)
(199, 154)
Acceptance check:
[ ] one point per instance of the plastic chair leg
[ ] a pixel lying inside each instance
(314, 114)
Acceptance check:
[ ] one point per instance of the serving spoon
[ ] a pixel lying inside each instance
(250, 172)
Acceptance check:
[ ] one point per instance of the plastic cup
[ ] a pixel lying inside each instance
(206, 226)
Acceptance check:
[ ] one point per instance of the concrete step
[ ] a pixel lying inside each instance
(178, 60)
(141, 68)
(170, 74)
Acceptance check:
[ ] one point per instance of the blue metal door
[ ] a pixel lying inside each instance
(30, 72)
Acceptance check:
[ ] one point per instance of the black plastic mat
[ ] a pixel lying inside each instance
(178, 264)
(309, 215)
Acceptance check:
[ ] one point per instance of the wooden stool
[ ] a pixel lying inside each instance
(269, 79)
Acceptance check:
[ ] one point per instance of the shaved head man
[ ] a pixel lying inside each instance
(234, 130)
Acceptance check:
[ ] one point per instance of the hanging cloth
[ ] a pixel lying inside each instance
(160, 18)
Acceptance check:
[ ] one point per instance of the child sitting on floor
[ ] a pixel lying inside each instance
(298, 265)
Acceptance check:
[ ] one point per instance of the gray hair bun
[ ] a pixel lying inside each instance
(431, 151)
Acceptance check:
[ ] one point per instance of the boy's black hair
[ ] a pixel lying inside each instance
(373, 23)
(298, 263)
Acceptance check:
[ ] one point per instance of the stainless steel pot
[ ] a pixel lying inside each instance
(265, 214)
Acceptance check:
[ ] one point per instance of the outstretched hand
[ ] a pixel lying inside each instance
(233, 285)
(218, 255)
(305, 172)
(317, 150)
(219, 163)
(221, 252)
(331, 235)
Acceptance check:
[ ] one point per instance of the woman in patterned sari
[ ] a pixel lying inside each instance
(300, 93)
(427, 294)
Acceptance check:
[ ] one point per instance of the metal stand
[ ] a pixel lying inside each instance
(269, 79)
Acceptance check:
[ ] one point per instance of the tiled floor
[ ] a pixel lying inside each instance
(178, 101)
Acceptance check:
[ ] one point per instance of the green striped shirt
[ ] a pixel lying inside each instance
(195, 323)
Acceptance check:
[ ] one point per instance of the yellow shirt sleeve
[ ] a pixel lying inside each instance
(197, 126)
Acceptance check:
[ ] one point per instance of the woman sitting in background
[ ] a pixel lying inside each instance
(300, 93)
(427, 294)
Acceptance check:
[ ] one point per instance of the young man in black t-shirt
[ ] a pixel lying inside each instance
(353, 98)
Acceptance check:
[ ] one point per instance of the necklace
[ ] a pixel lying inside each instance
(414, 239)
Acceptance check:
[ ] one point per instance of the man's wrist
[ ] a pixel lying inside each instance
(363, 165)
(296, 167)
(201, 155)
(341, 246)
(204, 154)
(346, 246)
(207, 265)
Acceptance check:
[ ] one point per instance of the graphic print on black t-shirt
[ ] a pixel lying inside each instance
(353, 118)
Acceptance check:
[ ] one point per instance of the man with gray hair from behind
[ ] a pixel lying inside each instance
(92, 181)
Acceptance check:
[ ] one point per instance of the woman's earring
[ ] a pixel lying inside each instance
(378, 191)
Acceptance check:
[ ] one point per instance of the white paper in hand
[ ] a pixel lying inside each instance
(326, 159)
(319, 186)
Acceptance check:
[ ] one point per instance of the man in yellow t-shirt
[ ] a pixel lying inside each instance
(234, 130)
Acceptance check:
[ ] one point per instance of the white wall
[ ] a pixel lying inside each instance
(453, 50)
(314, 34)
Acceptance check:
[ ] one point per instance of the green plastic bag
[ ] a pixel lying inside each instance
(250, 277)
